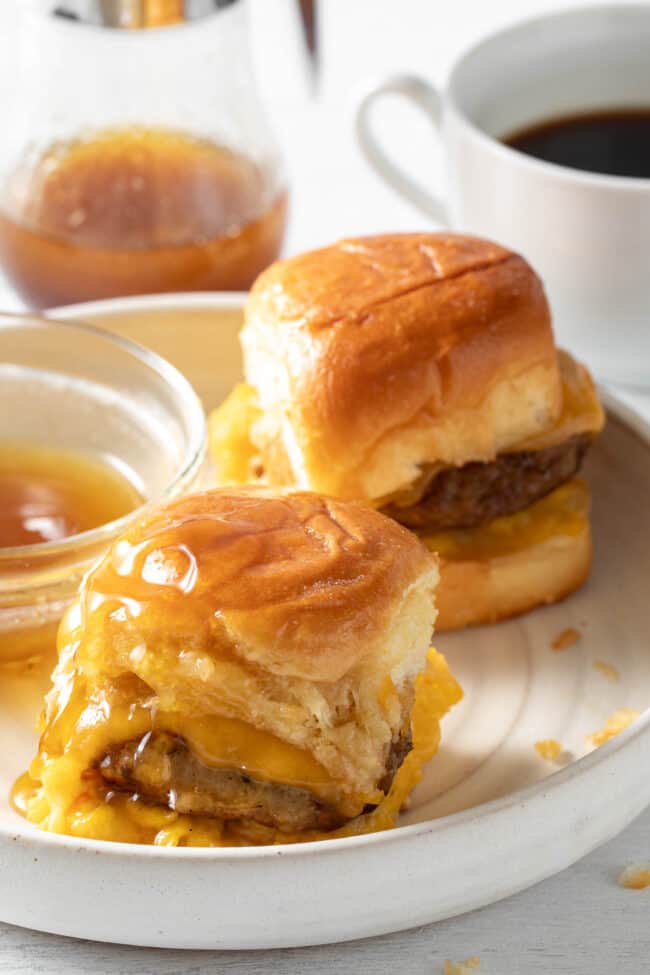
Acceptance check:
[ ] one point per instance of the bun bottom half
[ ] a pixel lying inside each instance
(539, 557)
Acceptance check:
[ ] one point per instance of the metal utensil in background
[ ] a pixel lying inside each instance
(309, 17)
(120, 13)
(137, 14)
(142, 13)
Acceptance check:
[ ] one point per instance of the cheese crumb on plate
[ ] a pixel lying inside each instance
(635, 878)
(616, 722)
(466, 967)
(549, 749)
(607, 670)
(566, 639)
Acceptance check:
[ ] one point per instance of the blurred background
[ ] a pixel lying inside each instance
(333, 191)
(309, 97)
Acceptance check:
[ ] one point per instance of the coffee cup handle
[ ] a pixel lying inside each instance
(425, 97)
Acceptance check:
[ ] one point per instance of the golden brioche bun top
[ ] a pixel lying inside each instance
(294, 583)
(378, 354)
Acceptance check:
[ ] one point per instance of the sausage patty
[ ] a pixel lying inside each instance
(467, 496)
(162, 769)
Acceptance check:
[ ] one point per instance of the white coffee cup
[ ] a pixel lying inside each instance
(587, 234)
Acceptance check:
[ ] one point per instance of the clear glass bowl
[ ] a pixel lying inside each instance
(74, 386)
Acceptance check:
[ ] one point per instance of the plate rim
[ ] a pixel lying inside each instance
(129, 303)
(602, 755)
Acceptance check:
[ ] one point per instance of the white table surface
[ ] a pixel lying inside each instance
(580, 922)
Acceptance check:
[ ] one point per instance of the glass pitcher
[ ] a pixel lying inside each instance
(136, 160)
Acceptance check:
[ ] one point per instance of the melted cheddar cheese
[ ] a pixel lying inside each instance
(581, 413)
(581, 409)
(562, 512)
(233, 452)
(436, 692)
(237, 460)
(63, 792)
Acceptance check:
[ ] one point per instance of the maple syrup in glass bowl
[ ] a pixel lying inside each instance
(92, 427)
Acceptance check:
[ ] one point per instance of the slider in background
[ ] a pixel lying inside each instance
(418, 373)
(243, 667)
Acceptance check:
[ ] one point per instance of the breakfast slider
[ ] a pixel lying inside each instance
(418, 373)
(243, 667)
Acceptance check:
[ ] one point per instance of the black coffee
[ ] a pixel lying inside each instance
(616, 142)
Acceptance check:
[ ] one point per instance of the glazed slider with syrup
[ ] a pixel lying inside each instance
(243, 667)
(418, 373)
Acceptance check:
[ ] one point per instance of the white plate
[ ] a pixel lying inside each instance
(490, 817)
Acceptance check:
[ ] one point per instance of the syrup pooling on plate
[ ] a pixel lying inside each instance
(48, 493)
